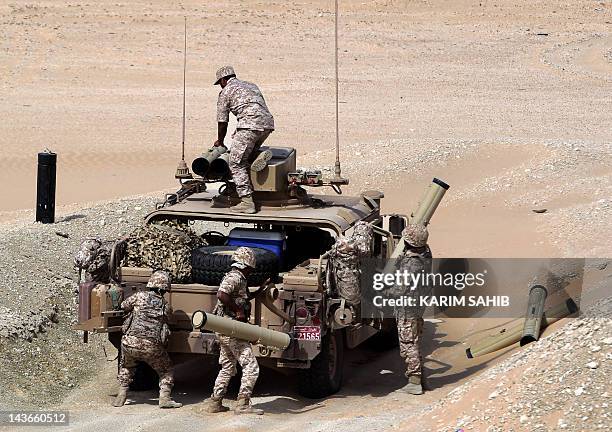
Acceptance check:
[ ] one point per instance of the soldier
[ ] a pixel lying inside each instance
(416, 259)
(93, 256)
(255, 123)
(344, 261)
(145, 334)
(233, 301)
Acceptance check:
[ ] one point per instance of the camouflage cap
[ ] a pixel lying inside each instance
(415, 235)
(224, 72)
(362, 228)
(345, 245)
(245, 256)
(160, 280)
(87, 252)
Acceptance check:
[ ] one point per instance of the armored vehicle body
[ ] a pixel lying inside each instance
(291, 235)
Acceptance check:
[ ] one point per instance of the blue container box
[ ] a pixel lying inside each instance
(271, 240)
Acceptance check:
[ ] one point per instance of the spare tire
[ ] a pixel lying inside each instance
(210, 263)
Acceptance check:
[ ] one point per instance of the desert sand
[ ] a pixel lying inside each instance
(507, 101)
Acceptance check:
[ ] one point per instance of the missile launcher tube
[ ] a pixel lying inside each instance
(219, 168)
(429, 203)
(201, 165)
(240, 330)
(422, 215)
(535, 313)
(507, 337)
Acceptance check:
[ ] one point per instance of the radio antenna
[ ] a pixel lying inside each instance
(182, 171)
(337, 171)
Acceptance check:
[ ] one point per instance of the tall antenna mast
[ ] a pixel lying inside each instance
(182, 171)
(337, 171)
(184, 87)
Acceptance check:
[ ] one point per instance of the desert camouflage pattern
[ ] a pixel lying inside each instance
(413, 262)
(245, 101)
(93, 257)
(223, 72)
(148, 316)
(410, 332)
(234, 284)
(415, 235)
(159, 280)
(244, 255)
(234, 351)
(344, 261)
(163, 245)
(410, 319)
(245, 144)
(362, 238)
(134, 350)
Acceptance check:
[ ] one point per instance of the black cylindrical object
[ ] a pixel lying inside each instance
(45, 187)
(397, 223)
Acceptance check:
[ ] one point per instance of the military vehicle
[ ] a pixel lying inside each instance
(299, 321)
(291, 234)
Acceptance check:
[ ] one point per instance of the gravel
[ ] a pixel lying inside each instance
(41, 357)
(561, 381)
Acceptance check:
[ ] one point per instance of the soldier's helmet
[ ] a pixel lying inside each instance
(87, 253)
(243, 257)
(159, 280)
(223, 72)
(415, 235)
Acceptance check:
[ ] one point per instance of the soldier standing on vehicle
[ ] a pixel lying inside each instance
(255, 123)
(145, 335)
(416, 259)
(233, 301)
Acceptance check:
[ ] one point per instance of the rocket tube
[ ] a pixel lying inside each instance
(200, 165)
(506, 337)
(240, 330)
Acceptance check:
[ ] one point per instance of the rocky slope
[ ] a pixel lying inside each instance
(41, 357)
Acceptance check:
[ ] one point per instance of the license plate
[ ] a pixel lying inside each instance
(307, 332)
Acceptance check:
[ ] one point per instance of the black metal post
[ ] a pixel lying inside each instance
(45, 187)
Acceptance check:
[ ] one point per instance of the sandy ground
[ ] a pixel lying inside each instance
(509, 102)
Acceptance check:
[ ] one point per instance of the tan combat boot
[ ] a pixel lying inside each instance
(121, 397)
(214, 405)
(165, 401)
(246, 205)
(414, 385)
(261, 161)
(243, 406)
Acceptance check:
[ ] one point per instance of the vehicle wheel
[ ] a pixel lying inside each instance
(210, 263)
(325, 374)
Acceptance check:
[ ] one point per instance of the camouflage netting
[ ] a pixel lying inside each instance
(164, 245)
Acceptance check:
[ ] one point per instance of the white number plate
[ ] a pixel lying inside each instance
(307, 332)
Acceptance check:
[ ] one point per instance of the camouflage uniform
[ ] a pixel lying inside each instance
(144, 336)
(234, 350)
(344, 261)
(255, 123)
(93, 256)
(410, 319)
